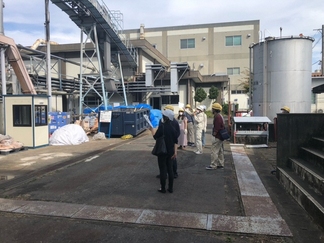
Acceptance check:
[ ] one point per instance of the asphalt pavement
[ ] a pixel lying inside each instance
(106, 191)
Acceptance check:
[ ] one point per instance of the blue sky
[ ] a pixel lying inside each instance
(24, 20)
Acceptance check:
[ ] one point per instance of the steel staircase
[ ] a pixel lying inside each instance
(304, 179)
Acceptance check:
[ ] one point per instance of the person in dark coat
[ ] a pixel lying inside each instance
(177, 128)
(171, 140)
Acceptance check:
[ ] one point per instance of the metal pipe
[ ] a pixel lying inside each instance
(229, 104)
(322, 64)
(250, 79)
(1, 17)
(81, 74)
(48, 56)
(3, 71)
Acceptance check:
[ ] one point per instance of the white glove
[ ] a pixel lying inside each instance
(185, 131)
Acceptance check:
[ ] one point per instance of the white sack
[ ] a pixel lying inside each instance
(70, 134)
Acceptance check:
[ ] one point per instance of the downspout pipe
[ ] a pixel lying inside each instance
(250, 76)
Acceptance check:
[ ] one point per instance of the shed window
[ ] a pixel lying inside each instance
(40, 115)
(21, 115)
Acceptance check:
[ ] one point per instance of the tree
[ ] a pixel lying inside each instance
(245, 80)
(200, 95)
(213, 93)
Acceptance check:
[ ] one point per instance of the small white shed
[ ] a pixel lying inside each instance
(251, 130)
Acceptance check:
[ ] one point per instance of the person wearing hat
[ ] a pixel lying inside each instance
(176, 126)
(217, 149)
(165, 162)
(285, 110)
(199, 126)
(191, 131)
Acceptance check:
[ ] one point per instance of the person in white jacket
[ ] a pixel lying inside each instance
(199, 126)
(203, 135)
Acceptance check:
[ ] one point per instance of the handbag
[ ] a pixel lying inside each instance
(159, 148)
(224, 134)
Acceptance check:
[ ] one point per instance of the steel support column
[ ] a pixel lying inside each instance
(88, 81)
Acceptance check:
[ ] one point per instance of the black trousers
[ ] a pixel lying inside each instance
(166, 170)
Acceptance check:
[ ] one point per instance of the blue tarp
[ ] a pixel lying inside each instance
(155, 117)
(143, 106)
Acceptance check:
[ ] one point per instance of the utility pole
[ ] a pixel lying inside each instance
(48, 56)
(322, 62)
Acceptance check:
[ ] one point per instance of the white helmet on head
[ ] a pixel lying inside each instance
(201, 108)
(169, 114)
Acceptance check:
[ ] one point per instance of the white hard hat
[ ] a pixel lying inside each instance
(169, 114)
(201, 107)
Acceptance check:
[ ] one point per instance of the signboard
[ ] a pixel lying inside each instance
(105, 116)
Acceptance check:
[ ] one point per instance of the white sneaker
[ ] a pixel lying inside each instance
(198, 152)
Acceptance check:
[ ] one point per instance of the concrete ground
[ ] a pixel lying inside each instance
(106, 191)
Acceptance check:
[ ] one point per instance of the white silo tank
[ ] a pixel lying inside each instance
(282, 73)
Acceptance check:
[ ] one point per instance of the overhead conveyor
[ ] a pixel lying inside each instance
(84, 13)
(110, 46)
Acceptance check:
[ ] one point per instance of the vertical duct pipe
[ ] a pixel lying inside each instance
(107, 56)
(48, 56)
(2, 53)
(250, 78)
(3, 71)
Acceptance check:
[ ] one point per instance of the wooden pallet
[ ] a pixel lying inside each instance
(10, 151)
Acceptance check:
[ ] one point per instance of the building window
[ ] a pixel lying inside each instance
(233, 71)
(187, 43)
(238, 91)
(40, 115)
(235, 40)
(21, 115)
(170, 99)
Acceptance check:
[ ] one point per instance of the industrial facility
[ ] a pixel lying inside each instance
(112, 67)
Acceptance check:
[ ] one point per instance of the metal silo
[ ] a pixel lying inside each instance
(282, 72)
